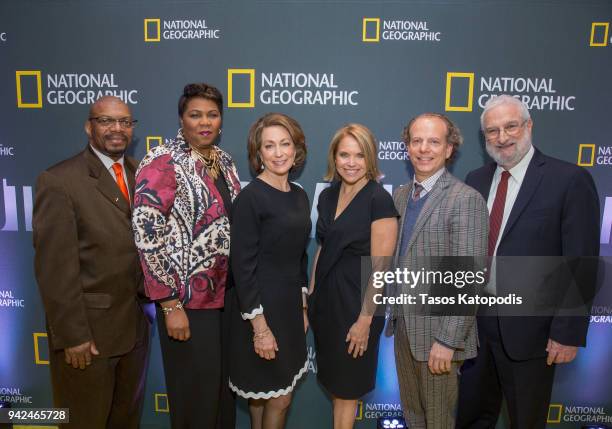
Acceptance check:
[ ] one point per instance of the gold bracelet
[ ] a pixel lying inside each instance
(261, 334)
(168, 310)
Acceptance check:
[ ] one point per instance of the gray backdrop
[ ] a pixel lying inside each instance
(374, 62)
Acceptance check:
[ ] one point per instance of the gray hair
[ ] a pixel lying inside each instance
(504, 99)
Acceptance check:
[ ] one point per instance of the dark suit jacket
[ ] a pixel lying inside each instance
(556, 213)
(86, 262)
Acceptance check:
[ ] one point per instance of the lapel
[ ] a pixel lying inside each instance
(402, 203)
(130, 172)
(105, 183)
(433, 200)
(484, 186)
(530, 184)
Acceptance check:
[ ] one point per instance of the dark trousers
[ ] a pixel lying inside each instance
(193, 371)
(492, 375)
(109, 393)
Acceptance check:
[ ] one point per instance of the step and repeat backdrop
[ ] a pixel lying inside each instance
(326, 64)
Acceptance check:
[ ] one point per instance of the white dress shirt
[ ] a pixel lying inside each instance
(517, 174)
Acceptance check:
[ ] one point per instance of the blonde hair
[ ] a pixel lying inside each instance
(367, 143)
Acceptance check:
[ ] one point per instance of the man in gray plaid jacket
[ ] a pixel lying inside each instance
(441, 217)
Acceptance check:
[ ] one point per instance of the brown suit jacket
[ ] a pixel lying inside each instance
(86, 261)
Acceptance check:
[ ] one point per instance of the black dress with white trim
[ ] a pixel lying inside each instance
(269, 235)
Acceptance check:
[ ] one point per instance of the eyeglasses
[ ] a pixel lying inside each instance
(105, 121)
(513, 129)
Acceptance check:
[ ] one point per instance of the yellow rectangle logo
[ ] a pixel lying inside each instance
(606, 28)
(581, 158)
(150, 139)
(230, 87)
(37, 359)
(470, 98)
(161, 403)
(555, 412)
(152, 36)
(20, 102)
(364, 30)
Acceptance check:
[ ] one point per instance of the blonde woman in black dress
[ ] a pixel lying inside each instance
(357, 219)
(270, 231)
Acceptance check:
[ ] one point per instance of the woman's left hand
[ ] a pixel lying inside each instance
(358, 335)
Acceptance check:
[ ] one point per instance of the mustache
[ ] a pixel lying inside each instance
(115, 135)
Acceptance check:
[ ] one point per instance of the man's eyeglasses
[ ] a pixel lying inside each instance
(513, 129)
(105, 121)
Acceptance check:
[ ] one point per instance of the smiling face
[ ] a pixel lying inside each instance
(112, 140)
(350, 160)
(507, 134)
(277, 150)
(201, 122)
(428, 147)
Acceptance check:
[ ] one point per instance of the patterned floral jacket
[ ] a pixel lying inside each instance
(181, 228)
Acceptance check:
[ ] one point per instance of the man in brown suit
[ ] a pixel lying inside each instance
(88, 274)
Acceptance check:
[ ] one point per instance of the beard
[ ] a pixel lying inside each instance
(509, 160)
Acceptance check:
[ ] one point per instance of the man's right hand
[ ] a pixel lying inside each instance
(80, 356)
(177, 323)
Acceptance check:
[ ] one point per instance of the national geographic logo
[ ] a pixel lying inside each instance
(7, 151)
(590, 155)
(392, 151)
(373, 30)
(156, 30)
(312, 360)
(599, 34)
(14, 395)
(67, 88)
(8, 300)
(287, 88)
(162, 405)
(538, 93)
(601, 314)
(14, 219)
(558, 413)
(377, 410)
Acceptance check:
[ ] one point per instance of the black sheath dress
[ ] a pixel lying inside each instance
(269, 234)
(336, 301)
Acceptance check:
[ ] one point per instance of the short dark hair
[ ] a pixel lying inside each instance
(453, 134)
(203, 90)
(270, 120)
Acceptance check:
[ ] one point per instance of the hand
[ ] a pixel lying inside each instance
(558, 353)
(266, 346)
(80, 356)
(358, 335)
(177, 325)
(440, 359)
(305, 320)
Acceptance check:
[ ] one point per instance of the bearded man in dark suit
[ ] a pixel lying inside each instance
(542, 211)
(88, 273)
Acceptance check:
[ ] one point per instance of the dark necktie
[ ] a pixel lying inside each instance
(416, 194)
(497, 212)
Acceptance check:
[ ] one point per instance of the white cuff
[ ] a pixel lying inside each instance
(305, 290)
(252, 314)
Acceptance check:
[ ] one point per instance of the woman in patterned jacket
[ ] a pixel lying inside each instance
(184, 192)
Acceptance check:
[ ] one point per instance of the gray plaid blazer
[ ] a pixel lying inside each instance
(453, 222)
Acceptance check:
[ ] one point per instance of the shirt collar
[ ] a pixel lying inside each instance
(429, 183)
(519, 170)
(107, 160)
